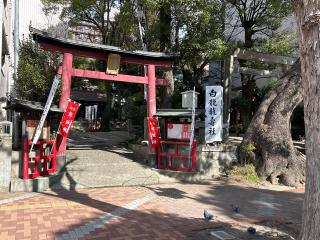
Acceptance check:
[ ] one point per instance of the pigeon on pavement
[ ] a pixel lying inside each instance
(251, 230)
(235, 208)
(208, 216)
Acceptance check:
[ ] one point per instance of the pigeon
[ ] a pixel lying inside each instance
(207, 216)
(235, 208)
(251, 230)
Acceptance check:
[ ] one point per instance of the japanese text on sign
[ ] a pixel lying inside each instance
(213, 120)
(68, 117)
(153, 132)
(179, 131)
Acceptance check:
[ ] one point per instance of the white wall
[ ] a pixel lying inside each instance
(5, 40)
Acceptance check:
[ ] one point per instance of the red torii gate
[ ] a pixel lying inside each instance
(70, 48)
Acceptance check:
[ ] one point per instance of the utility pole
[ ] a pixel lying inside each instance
(16, 36)
(15, 68)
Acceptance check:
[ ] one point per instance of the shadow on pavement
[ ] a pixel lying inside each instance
(175, 212)
(268, 211)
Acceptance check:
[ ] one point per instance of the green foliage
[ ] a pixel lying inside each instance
(261, 16)
(136, 111)
(282, 43)
(36, 71)
(195, 26)
(94, 12)
(249, 148)
(245, 173)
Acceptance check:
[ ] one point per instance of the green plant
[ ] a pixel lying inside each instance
(249, 148)
(246, 173)
(36, 70)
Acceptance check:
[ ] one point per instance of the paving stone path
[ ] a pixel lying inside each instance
(102, 159)
(169, 211)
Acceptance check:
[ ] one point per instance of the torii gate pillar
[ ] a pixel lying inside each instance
(151, 92)
(65, 95)
(66, 80)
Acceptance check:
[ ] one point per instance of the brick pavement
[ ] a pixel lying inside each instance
(156, 212)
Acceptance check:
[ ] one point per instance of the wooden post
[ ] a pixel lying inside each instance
(65, 95)
(151, 90)
(227, 83)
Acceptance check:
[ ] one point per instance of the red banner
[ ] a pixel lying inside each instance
(153, 132)
(68, 117)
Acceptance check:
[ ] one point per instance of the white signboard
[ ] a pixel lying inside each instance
(45, 111)
(179, 131)
(91, 112)
(193, 117)
(213, 120)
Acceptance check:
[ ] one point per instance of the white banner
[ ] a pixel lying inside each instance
(213, 120)
(193, 116)
(87, 113)
(95, 112)
(45, 110)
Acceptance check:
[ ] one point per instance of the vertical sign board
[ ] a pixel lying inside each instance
(94, 112)
(213, 120)
(53, 90)
(87, 113)
(153, 132)
(68, 117)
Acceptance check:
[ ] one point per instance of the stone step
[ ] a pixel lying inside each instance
(70, 181)
(117, 165)
(39, 184)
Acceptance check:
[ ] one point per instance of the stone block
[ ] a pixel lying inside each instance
(5, 161)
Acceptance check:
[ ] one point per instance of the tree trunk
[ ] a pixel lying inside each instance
(107, 111)
(168, 90)
(307, 15)
(275, 157)
(248, 84)
(248, 94)
(165, 44)
(165, 27)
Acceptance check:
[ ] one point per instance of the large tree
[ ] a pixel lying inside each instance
(268, 142)
(258, 19)
(308, 20)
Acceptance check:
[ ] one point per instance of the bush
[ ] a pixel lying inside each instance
(249, 148)
(36, 70)
(246, 173)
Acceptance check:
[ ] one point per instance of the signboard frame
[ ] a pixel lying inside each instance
(213, 114)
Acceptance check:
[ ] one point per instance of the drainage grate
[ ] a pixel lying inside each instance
(222, 235)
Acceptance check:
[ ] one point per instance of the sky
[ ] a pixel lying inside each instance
(31, 11)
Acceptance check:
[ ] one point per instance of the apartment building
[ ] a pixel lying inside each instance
(6, 38)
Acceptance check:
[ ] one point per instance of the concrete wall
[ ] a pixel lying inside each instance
(5, 161)
(211, 161)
